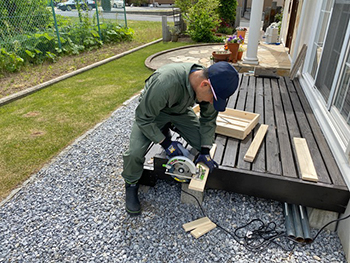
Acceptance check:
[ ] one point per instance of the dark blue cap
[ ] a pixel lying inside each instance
(223, 78)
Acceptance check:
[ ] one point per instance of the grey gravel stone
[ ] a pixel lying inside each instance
(72, 210)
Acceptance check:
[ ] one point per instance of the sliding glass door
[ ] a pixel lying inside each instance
(329, 64)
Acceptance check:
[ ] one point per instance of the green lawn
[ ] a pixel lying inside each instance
(36, 128)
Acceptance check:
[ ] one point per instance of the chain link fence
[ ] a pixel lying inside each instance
(31, 31)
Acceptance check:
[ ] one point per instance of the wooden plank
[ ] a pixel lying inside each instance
(298, 62)
(308, 171)
(233, 99)
(249, 107)
(230, 157)
(273, 163)
(196, 223)
(307, 133)
(213, 150)
(200, 231)
(326, 153)
(242, 94)
(288, 166)
(255, 145)
(220, 142)
(231, 152)
(198, 183)
(292, 124)
(226, 127)
(259, 163)
(232, 121)
(229, 118)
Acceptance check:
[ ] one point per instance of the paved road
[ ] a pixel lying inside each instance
(112, 15)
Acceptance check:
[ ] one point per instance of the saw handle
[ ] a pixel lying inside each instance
(208, 161)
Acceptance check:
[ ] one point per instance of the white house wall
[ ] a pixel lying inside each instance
(305, 35)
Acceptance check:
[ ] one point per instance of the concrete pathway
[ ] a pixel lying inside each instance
(271, 57)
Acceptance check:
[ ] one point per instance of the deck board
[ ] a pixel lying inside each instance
(306, 132)
(288, 168)
(274, 174)
(331, 165)
(273, 162)
(259, 164)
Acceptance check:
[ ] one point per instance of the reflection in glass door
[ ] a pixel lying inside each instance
(318, 43)
(342, 99)
(333, 45)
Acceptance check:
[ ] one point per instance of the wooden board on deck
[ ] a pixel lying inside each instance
(307, 168)
(255, 145)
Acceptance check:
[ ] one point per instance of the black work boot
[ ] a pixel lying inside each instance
(132, 203)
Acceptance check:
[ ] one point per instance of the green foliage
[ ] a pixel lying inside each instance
(185, 6)
(202, 20)
(106, 5)
(9, 61)
(278, 17)
(35, 48)
(227, 12)
(15, 19)
(138, 2)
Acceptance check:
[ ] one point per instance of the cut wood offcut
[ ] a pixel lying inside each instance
(306, 165)
(199, 227)
(255, 145)
(198, 184)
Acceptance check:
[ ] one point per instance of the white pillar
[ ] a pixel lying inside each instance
(254, 32)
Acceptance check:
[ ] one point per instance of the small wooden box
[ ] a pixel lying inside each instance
(234, 123)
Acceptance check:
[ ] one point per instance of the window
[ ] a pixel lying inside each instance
(317, 47)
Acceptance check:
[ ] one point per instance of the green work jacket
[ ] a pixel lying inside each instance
(168, 90)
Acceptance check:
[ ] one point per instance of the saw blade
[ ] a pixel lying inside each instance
(182, 169)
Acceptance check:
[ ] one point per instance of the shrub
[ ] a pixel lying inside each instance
(202, 20)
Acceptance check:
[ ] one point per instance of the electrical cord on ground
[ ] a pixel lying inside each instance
(265, 234)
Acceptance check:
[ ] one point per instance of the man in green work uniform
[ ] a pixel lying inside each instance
(166, 101)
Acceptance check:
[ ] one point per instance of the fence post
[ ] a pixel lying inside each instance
(57, 33)
(98, 21)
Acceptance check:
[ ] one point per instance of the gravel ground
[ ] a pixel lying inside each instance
(73, 211)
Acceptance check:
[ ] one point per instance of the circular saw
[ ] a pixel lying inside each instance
(181, 168)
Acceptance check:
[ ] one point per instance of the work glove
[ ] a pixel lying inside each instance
(174, 148)
(204, 157)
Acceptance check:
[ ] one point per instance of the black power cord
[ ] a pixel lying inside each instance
(262, 235)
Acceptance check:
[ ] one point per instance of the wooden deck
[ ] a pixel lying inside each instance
(274, 174)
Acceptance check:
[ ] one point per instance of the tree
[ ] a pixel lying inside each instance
(227, 12)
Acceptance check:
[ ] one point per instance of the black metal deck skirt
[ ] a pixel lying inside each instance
(274, 174)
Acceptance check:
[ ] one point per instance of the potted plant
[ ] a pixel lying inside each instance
(240, 53)
(240, 31)
(175, 32)
(222, 55)
(232, 44)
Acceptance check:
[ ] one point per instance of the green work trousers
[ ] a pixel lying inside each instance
(187, 125)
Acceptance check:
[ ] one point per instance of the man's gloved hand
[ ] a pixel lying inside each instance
(205, 158)
(174, 148)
